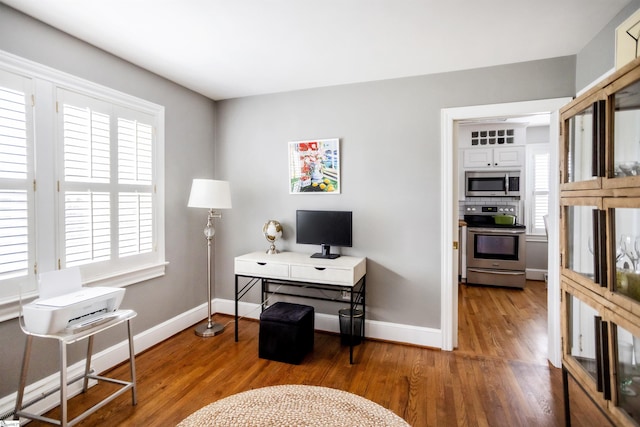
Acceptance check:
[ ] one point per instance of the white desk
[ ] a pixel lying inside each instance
(65, 338)
(344, 276)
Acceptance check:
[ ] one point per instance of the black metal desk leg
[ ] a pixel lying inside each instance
(351, 327)
(364, 305)
(565, 392)
(236, 308)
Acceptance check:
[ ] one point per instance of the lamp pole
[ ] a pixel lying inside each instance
(209, 329)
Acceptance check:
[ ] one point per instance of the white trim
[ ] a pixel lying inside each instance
(449, 294)
(19, 65)
(121, 279)
(11, 309)
(536, 274)
(395, 332)
(553, 248)
(537, 238)
(449, 310)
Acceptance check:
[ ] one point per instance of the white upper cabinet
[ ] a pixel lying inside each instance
(485, 158)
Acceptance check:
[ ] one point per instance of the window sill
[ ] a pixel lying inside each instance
(11, 309)
(537, 238)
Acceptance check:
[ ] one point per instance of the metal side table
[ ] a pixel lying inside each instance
(64, 339)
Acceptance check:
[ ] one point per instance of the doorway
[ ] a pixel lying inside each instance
(449, 227)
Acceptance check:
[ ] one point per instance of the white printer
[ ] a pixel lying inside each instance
(65, 306)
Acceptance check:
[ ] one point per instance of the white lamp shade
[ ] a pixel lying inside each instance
(210, 194)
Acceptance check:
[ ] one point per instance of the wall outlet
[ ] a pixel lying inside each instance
(345, 295)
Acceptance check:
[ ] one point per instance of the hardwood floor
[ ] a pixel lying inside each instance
(498, 376)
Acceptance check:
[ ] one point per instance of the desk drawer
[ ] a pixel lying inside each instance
(320, 274)
(262, 269)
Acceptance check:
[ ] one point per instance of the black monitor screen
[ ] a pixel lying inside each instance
(326, 228)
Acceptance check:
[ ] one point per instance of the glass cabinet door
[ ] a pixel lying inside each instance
(584, 245)
(626, 132)
(584, 141)
(582, 337)
(628, 372)
(586, 347)
(627, 251)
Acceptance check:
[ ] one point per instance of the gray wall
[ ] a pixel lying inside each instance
(598, 56)
(189, 152)
(391, 179)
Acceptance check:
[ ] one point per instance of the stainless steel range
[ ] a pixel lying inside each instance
(495, 252)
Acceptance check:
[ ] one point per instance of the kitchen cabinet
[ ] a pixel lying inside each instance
(600, 243)
(502, 157)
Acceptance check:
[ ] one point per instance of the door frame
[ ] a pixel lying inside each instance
(449, 213)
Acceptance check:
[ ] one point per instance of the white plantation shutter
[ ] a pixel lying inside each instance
(135, 173)
(14, 233)
(135, 163)
(135, 223)
(108, 154)
(16, 188)
(86, 145)
(87, 225)
(541, 189)
(538, 183)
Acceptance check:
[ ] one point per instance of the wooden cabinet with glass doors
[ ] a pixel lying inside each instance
(600, 244)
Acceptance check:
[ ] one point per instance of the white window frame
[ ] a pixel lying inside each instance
(532, 150)
(11, 285)
(46, 82)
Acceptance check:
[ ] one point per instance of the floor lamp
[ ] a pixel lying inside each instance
(213, 195)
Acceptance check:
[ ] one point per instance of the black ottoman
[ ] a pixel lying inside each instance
(286, 332)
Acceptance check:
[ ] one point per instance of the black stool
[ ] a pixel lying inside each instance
(286, 332)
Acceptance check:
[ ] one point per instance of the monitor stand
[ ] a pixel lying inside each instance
(326, 253)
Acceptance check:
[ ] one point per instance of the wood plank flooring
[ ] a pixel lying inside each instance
(498, 376)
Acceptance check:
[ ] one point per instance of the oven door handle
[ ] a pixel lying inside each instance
(504, 273)
(495, 230)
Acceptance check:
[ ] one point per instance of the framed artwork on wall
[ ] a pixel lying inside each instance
(627, 40)
(314, 166)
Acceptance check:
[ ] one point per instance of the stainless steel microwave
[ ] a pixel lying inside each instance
(492, 183)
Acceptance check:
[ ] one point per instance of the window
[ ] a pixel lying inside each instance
(16, 177)
(537, 187)
(107, 211)
(81, 178)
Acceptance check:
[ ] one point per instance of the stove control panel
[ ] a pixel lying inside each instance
(490, 210)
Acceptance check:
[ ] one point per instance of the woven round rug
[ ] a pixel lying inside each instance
(293, 405)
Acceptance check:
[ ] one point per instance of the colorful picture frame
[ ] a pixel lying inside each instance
(314, 166)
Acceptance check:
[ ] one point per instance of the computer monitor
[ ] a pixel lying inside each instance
(325, 228)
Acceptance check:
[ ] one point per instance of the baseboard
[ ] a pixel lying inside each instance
(405, 334)
(536, 274)
(119, 352)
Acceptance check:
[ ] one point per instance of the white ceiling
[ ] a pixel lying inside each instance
(232, 48)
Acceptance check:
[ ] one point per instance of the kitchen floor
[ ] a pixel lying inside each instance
(504, 322)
